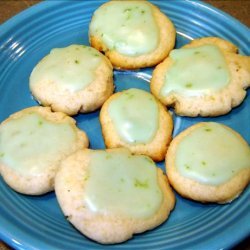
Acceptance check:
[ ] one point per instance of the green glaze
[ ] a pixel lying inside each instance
(211, 154)
(122, 184)
(71, 68)
(196, 71)
(126, 26)
(135, 115)
(30, 143)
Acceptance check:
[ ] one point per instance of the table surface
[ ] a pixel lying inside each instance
(239, 9)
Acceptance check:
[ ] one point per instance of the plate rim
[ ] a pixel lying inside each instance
(9, 24)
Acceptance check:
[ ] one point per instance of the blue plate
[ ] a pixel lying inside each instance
(28, 222)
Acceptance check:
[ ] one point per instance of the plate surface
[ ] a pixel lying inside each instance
(28, 222)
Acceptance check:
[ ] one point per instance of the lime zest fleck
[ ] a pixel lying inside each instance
(127, 9)
(203, 163)
(189, 85)
(141, 184)
(108, 156)
(208, 129)
(130, 96)
(86, 177)
(128, 12)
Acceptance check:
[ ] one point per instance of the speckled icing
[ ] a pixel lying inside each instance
(196, 71)
(71, 68)
(122, 184)
(30, 143)
(135, 116)
(127, 27)
(211, 154)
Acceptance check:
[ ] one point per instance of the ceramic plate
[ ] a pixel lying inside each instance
(28, 222)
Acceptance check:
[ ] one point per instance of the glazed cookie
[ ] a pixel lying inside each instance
(132, 34)
(73, 79)
(111, 195)
(135, 119)
(209, 162)
(33, 141)
(206, 77)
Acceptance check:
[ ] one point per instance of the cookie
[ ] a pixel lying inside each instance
(111, 195)
(209, 162)
(206, 77)
(33, 141)
(136, 120)
(73, 79)
(132, 34)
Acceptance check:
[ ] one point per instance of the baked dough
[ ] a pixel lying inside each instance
(132, 34)
(73, 79)
(211, 99)
(111, 195)
(33, 142)
(209, 162)
(145, 125)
